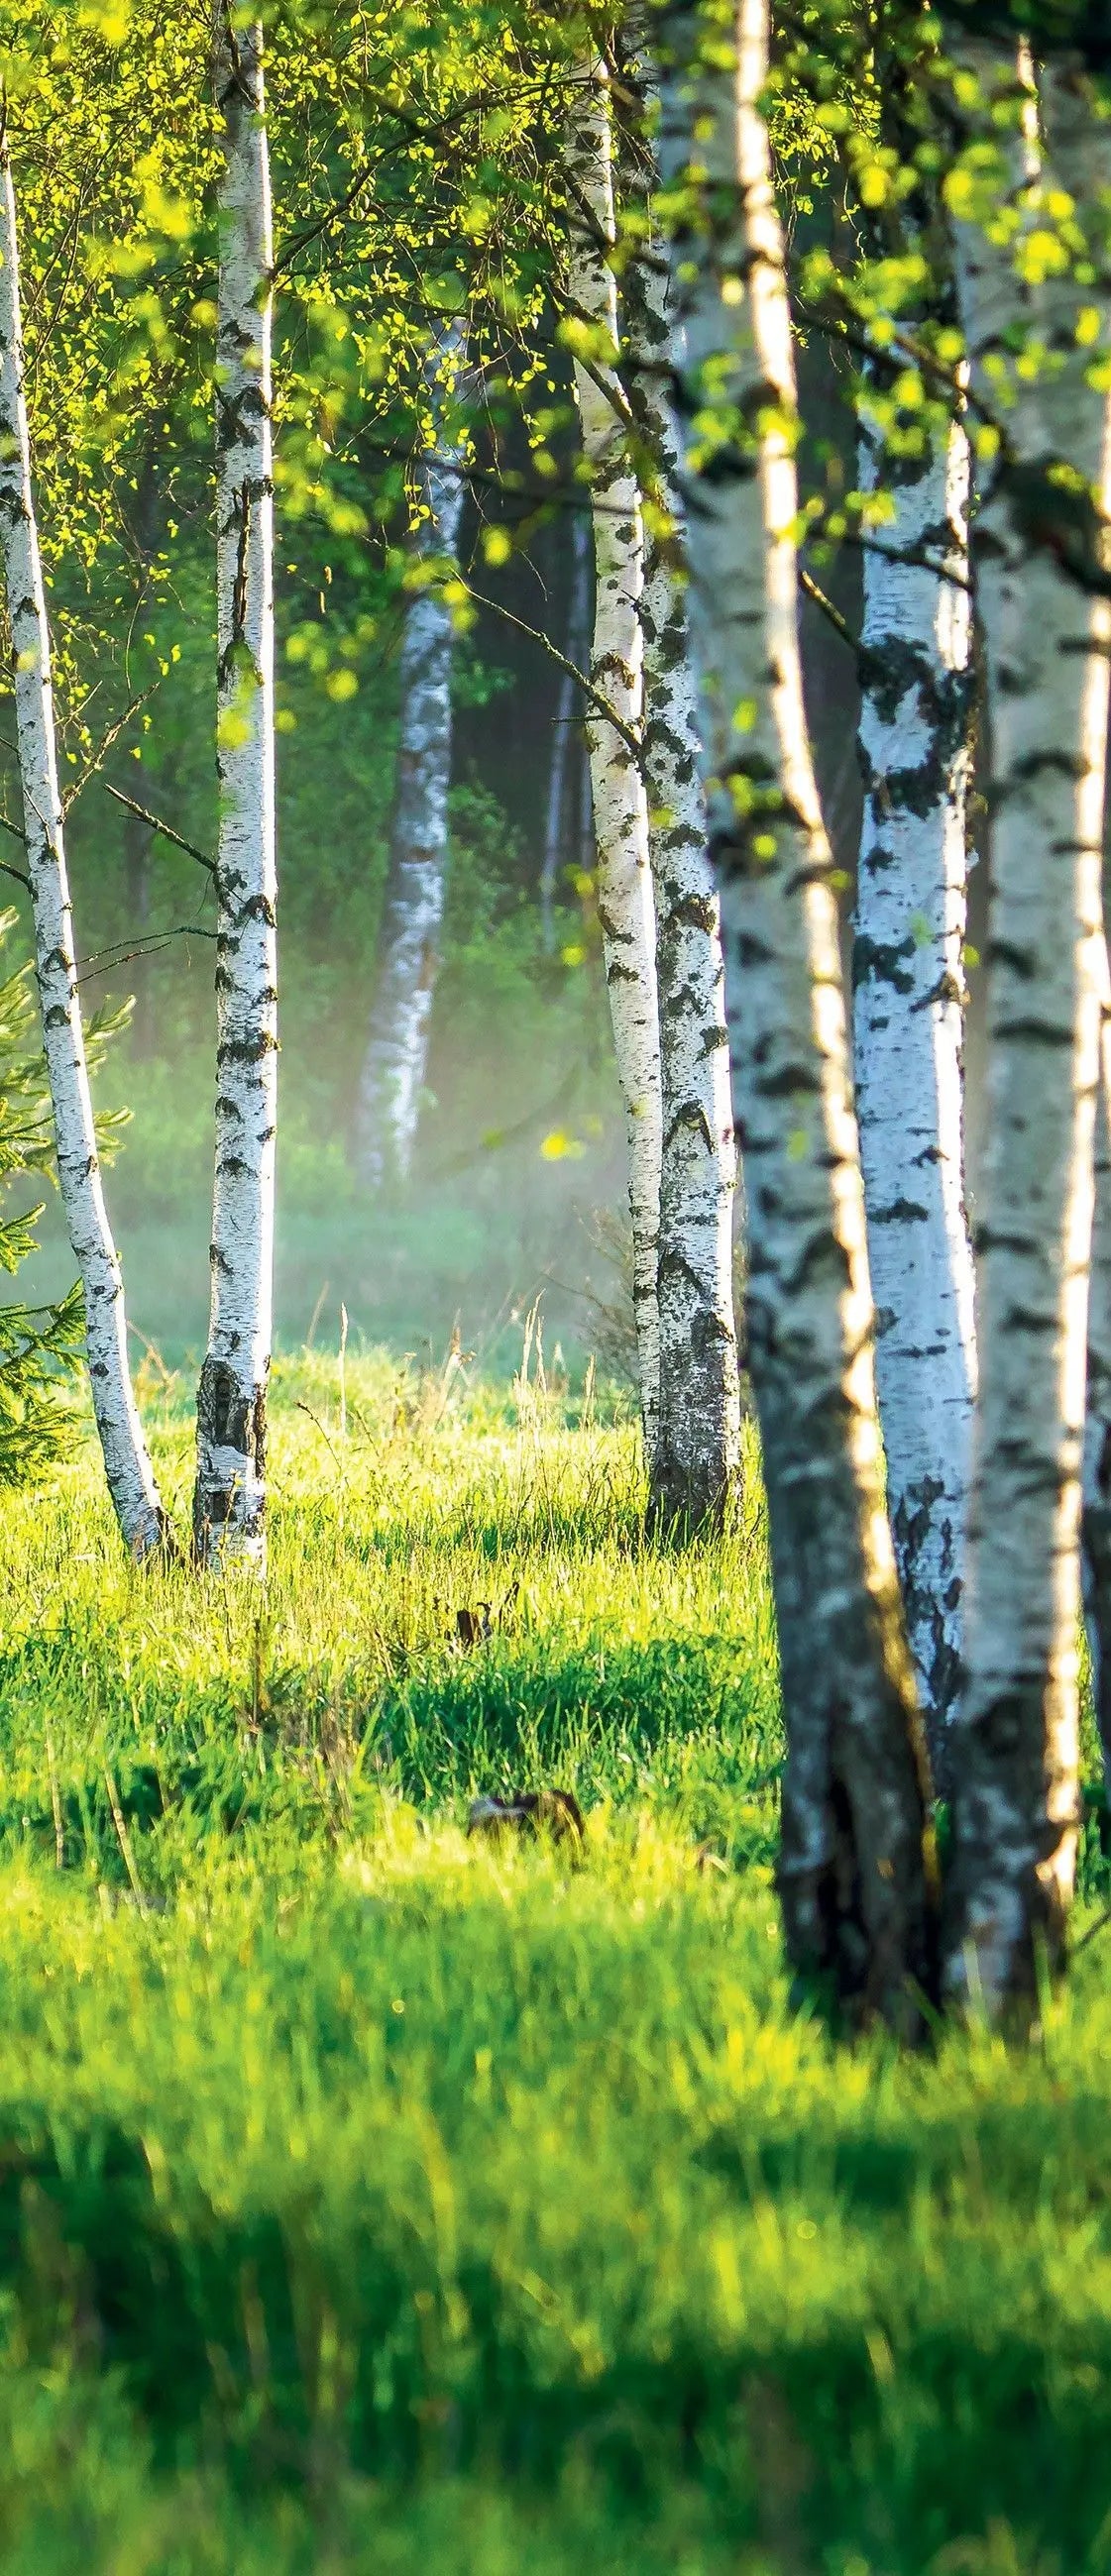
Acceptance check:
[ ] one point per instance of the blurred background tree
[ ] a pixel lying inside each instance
(37, 1343)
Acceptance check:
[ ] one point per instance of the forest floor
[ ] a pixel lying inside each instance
(373, 2198)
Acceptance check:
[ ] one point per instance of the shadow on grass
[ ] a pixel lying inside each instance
(289, 2356)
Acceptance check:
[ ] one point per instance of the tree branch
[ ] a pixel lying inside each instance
(536, 635)
(165, 830)
(413, 132)
(821, 600)
(107, 961)
(18, 874)
(100, 755)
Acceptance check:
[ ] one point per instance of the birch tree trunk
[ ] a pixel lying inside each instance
(1096, 1515)
(127, 1466)
(855, 1874)
(138, 838)
(909, 996)
(698, 1445)
(625, 899)
(229, 1501)
(396, 1059)
(1038, 548)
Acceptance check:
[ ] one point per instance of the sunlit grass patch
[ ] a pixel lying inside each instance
(374, 2195)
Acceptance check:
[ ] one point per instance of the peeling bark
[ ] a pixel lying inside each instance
(698, 1445)
(229, 1501)
(127, 1466)
(625, 901)
(1046, 640)
(855, 1875)
(908, 1037)
(412, 915)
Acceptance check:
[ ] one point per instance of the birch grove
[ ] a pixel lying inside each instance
(855, 1873)
(396, 1060)
(1038, 550)
(625, 902)
(933, 1406)
(127, 1466)
(909, 991)
(698, 1441)
(229, 1502)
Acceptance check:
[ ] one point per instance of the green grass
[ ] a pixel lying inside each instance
(374, 2199)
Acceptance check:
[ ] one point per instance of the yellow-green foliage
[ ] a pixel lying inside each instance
(375, 2199)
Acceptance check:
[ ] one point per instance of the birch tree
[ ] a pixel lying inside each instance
(130, 1476)
(1029, 226)
(230, 1495)
(624, 875)
(909, 994)
(698, 1441)
(855, 1875)
(138, 837)
(396, 1060)
(1096, 1515)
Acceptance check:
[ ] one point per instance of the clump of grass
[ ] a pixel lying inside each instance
(374, 2197)
(640, 1675)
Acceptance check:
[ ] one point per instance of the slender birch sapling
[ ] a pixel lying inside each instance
(127, 1466)
(396, 1059)
(1039, 335)
(624, 876)
(138, 836)
(855, 1874)
(230, 1495)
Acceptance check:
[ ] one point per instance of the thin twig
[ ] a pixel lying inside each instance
(314, 1419)
(504, 1136)
(821, 600)
(156, 823)
(56, 1803)
(948, 378)
(122, 955)
(536, 635)
(414, 131)
(1100, 1925)
(104, 747)
(145, 816)
(911, 555)
(124, 1840)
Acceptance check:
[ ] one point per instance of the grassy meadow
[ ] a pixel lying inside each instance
(373, 2198)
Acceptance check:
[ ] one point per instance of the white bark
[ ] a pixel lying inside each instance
(1046, 644)
(625, 902)
(229, 1501)
(854, 1876)
(126, 1463)
(908, 1036)
(698, 1443)
(396, 1059)
(1096, 1518)
(138, 836)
